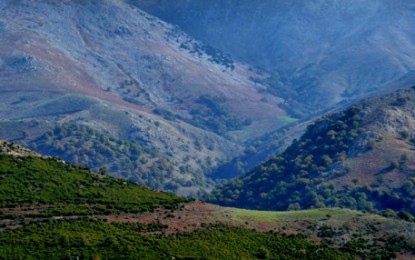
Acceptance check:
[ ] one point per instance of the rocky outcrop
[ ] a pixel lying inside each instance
(15, 150)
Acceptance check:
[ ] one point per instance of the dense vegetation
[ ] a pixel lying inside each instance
(215, 116)
(98, 240)
(81, 144)
(300, 177)
(72, 190)
(211, 114)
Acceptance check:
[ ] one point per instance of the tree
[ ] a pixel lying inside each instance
(103, 171)
(294, 206)
(405, 215)
(327, 160)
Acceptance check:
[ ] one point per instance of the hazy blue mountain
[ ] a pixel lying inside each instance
(325, 51)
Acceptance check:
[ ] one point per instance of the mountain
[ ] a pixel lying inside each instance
(318, 53)
(52, 209)
(114, 68)
(207, 88)
(360, 158)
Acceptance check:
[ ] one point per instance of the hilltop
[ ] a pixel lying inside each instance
(360, 158)
(15, 150)
(56, 210)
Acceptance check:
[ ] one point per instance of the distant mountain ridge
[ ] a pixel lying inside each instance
(319, 52)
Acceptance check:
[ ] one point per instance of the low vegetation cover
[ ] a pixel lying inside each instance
(98, 240)
(73, 190)
(210, 114)
(371, 236)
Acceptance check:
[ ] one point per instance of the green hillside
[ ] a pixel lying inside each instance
(53, 210)
(361, 158)
(67, 189)
(97, 240)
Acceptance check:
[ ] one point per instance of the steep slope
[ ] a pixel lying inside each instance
(115, 53)
(51, 209)
(119, 70)
(319, 52)
(361, 158)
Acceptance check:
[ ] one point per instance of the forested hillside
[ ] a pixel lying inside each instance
(361, 158)
(83, 145)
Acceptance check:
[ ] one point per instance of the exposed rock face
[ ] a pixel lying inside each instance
(15, 150)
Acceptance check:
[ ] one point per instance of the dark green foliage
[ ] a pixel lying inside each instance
(405, 215)
(165, 114)
(213, 115)
(72, 190)
(295, 104)
(390, 246)
(216, 55)
(80, 144)
(64, 239)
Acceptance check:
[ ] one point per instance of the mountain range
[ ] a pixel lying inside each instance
(208, 90)
(318, 53)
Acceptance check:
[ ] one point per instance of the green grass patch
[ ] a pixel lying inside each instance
(310, 215)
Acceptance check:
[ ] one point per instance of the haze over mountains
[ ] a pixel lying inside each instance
(318, 54)
(323, 51)
(198, 109)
